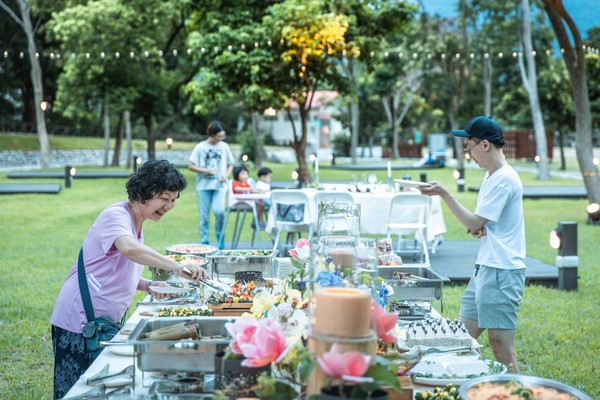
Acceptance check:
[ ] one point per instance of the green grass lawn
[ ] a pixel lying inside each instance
(558, 335)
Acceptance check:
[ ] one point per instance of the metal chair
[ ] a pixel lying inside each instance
(291, 211)
(240, 207)
(418, 207)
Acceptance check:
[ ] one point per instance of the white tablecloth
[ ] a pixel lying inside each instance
(374, 212)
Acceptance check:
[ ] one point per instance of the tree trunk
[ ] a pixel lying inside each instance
(127, 119)
(151, 140)
(574, 57)
(529, 77)
(487, 86)
(106, 132)
(256, 148)
(118, 141)
(36, 77)
(390, 111)
(355, 115)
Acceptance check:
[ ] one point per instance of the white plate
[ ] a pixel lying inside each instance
(454, 370)
(406, 182)
(120, 350)
(169, 290)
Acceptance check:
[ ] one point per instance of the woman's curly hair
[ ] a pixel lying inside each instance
(154, 178)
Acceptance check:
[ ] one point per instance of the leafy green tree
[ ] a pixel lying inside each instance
(268, 54)
(370, 23)
(574, 55)
(126, 56)
(24, 21)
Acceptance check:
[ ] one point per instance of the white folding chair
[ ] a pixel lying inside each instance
(335, 222)
(408, 217)
(240, 207)
(290, 209)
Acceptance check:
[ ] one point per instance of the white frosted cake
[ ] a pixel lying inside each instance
(438, 333)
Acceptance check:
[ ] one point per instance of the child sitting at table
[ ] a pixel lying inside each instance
(240, 185)
(264, 183)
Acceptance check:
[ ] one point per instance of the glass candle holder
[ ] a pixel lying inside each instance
(338, 219)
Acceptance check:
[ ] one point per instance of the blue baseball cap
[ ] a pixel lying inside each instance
(482, 128)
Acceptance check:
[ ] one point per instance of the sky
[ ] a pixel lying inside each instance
(585, 13)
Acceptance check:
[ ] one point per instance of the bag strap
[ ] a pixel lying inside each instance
(84, 289)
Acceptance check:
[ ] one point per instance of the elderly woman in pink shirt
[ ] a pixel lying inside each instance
(114, 255)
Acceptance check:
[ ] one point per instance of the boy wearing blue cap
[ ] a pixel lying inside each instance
(492, 297)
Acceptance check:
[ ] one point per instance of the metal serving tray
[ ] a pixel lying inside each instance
(228, 262)
(179, 355)
(413, 283)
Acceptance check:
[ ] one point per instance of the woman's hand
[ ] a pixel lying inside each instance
(193, 272)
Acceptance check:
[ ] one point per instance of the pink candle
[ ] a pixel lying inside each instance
(343, 312)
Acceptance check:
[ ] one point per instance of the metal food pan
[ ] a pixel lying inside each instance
(179, 355)
(228, 262)
(420, 283)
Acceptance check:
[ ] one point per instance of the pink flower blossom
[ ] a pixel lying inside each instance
(267, 345)
(302, 250)
(241, 331)
(386, 322)
(349, 365)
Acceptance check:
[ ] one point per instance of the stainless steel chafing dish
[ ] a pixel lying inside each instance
(228, 262)
(184, 355)
(413, 283)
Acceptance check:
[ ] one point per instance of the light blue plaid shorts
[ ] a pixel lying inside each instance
(492, 297)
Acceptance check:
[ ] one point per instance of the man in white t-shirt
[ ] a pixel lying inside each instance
(492, 297)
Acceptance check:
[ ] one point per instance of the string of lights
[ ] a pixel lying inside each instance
(56, 55)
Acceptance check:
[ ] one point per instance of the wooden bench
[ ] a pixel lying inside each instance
(20, 188)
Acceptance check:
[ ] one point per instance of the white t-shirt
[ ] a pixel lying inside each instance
(213, 156)
(500, 201)
(263, 186)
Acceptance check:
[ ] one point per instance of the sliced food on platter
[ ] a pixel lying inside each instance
(406, 182)
(453, 369)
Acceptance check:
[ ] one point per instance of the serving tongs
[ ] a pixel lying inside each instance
(212, 284)
(99, 392)
(103, 375)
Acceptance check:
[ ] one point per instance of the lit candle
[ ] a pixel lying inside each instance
(389, 169)
(342, 312)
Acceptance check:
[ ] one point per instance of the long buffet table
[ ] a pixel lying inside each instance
(120, 357)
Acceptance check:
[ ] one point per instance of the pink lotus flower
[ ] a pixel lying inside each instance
(386, 322)
(241, 331)
(267, 344)
(350, 366)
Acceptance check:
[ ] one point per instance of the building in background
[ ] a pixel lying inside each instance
(322, 126)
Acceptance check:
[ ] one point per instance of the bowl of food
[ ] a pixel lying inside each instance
(514, 386)
(195, 249)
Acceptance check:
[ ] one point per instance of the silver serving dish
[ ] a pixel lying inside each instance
(185, 355)
(228, 262)
(413, 283)
(524, 380)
